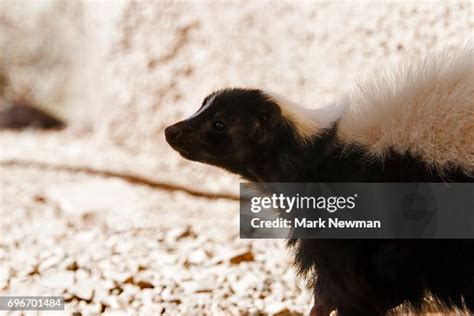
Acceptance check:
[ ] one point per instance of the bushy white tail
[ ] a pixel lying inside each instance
(425, 108)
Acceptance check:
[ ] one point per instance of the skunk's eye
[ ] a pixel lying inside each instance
(218, 125)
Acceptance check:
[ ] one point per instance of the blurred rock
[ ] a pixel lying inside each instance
(178, 233)
(101, 195)
(142, 284)
(247, 283)
(277, 308)
(5, 272)
(73, 266)
(20, 115)
(58, 280)
(242, 257)
(197, 257)
(83, 290)
(152, 309)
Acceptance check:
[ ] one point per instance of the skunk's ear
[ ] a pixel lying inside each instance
(268, 117)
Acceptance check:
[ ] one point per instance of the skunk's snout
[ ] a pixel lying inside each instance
(180, 139)
(172, 133)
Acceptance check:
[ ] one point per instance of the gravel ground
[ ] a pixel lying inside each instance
(113, 247)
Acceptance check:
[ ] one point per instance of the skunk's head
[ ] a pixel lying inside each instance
(233, 127)
(247, 130)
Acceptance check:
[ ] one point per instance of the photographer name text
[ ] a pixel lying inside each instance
(283, 223)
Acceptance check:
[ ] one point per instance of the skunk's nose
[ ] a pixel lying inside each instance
(172, 133)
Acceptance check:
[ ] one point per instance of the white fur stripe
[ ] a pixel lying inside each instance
(308, 122)
(203, 108)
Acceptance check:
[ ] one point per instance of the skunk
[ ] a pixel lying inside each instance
(415, 124)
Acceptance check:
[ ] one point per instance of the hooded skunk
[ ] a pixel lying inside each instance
(412, 125)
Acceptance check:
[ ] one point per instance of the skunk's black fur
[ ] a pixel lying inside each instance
(245, 132)
(370, 277)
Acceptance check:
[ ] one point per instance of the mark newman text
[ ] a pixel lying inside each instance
(319, 223)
